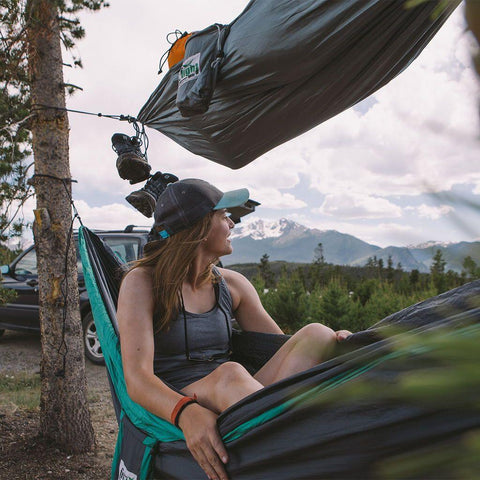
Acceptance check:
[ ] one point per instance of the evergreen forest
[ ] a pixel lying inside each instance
(345, 297)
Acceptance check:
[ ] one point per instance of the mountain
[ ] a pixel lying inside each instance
(292, 242)
(289, 241)
(453, 253)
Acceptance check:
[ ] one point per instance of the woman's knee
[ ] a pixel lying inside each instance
(318, 334)
(230, 372)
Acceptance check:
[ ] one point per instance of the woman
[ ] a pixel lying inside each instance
(174, 313)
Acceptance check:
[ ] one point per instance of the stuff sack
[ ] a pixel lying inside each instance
(199, 70)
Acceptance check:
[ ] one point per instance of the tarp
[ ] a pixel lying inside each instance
(287, 66)
(287, 430)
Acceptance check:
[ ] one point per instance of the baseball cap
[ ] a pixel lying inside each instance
(187, 201)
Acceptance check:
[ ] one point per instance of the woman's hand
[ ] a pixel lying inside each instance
(199, 425)
(342, 335)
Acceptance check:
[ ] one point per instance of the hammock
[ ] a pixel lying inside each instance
(281, 68)
(288, 430)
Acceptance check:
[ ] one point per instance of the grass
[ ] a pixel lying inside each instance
(19, 390)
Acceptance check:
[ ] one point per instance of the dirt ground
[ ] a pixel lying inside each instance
(23, 456)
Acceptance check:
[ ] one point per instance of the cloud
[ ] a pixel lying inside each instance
(431, 212)
(418, 134)
(276, 200)
(111, 217)
(350, 206)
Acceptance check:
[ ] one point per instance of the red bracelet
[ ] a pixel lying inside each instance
(180, 406)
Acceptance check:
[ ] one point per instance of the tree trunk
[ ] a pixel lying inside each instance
(64, 416)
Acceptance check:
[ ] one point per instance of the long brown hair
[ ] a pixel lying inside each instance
(169, 260)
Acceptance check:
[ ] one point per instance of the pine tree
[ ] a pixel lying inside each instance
(319, 258)
(33, 102)
(437, 272)
(265, 271)
(15, 161)
(335, 306)
(287, 302)
(390, 269)
(470, 268)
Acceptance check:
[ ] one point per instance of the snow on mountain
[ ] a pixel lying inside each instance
(262, 229)
(430, 244)
(289, 241)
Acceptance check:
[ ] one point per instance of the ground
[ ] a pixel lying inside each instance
(23, 455)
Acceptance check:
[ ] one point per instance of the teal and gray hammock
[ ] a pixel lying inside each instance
(312, 425)
(282, 67)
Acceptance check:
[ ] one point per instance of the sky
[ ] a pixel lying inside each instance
(400, 168)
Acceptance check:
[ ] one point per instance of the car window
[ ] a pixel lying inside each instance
(125, 248)
(27, 265)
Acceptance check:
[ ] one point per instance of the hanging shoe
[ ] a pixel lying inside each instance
(144, 200)
(131, 163)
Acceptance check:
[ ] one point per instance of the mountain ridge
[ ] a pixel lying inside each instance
(290, 241)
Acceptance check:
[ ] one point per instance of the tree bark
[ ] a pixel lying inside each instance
(64, 414)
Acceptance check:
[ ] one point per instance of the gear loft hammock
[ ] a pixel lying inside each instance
(281, 68)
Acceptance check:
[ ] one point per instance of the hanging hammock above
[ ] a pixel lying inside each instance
(281, 68)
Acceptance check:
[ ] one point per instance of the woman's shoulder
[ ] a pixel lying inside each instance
(142, 275)
(136, 294)
(231, 275)
(236, 282)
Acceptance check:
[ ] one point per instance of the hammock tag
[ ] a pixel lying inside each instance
(124, 474)
(190, 69)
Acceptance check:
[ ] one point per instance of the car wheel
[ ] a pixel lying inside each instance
(93, 350)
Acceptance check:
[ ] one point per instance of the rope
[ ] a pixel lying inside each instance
(127, 118)
(139, 132)
(63, 347)
(163, 59)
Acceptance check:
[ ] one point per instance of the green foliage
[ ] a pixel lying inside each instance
(437, 271)
(265, 271)
(6, 257)
(7, 295)
(471, 270)
(14, 118)
(334, 306)
(441, 7)
(15, 102)
(287, 303)
(351, 298)
(318, 257)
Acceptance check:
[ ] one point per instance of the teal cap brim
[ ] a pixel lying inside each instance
(235, 198)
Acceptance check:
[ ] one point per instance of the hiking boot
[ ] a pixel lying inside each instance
(131, 163)
(144, 200)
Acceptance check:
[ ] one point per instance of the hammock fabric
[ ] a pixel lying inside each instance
(281, 68)
(288, 430)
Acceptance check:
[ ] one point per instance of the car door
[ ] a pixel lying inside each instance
(23, 312)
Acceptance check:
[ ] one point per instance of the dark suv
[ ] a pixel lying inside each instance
(21, 276)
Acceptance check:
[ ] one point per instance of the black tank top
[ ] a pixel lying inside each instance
(207, 342)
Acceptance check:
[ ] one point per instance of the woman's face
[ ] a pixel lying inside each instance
(218, 241)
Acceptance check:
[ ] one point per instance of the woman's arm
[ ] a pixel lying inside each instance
(247, 307)
(135, 320)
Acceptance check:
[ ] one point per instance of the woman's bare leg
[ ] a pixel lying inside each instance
(231, 382)
(310, 346)
(226, 385)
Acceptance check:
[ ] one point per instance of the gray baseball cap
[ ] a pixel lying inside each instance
(184, 203)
